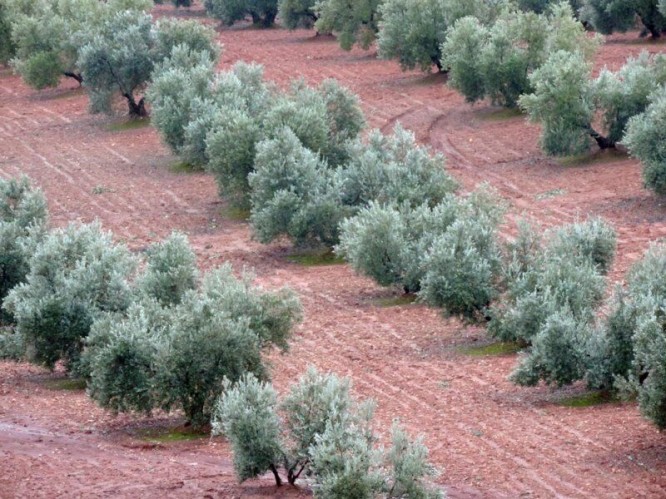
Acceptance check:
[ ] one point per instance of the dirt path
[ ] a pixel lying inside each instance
(491, 439)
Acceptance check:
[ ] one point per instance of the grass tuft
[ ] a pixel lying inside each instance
(550, 194)
(184, 167)
(587, 399)
(70, 384)
(492, 349)
(236, 213)
(179, 434)
(315, 257)
(128, 125)
(587, 159)
(395, 301)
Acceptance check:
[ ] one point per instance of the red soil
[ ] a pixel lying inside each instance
(490, 438)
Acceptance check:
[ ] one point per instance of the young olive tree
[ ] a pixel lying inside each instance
(171, 270)
(608, 16)
(324, 433)
(495, 60)
(412, 31)
(23, 218)
(354, 23)
(263, 12)
(76, 274)
(297, 13)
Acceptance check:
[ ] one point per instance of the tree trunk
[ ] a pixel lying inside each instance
(437, 62)
(77, 76)
(269, 18)
(654, 31)
(278, 480)
(602, 142)
(136, 110)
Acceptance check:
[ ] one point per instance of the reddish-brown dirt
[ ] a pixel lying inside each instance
(490, 438)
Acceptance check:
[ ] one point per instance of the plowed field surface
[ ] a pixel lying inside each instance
(489, 437)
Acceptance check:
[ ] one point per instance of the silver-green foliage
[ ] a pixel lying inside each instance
(354, 23)
(566, 100)
(180, 87)
(230, 11)
(171, 270)
(324, 433)
(48, 35)
(7, 45)
(296, 193)
(293, 194)
(23, 218)
(117, 58)
(324, 119)
(412, 31)
(566, 274)
(247, 415)
(494, 58)
(553, 292)
(76, 274)
(633, 339)
(646, 139)
(448, 251)
(176, 355)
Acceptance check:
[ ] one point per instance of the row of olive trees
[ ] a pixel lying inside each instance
(143, 340)
(320, 431)
(110, 47)
(553, 294)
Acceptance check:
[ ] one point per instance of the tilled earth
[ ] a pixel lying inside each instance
(489, 437)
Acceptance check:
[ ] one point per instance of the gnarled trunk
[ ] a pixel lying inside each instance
(136, 110)
(602, 142)
(77, 76)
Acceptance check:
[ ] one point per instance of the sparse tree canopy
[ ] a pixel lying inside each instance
(327, 435)
(262, 12)
(354, 23)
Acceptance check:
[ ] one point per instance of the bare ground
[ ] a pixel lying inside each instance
(490, 438)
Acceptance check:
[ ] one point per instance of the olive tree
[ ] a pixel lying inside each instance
(175, 353)
(322, 431)
(23, 218)
(354, 23)
(645, 139)
(448, 251)
(49, 34)
(297, 13)
(76, 274)
(620, 15)
(495, 60)
(566, 100)
(412, 31)
(262, 12)
(7, 45)
(120, 56)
